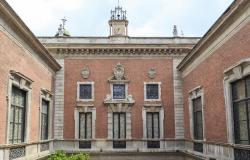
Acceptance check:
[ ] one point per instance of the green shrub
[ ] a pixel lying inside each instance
(60, 155)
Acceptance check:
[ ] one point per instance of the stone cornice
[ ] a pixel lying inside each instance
(26, 35)
(123, 51)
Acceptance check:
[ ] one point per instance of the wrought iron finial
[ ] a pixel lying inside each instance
(118, 13)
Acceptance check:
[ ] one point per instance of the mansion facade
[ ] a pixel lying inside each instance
(119, 96)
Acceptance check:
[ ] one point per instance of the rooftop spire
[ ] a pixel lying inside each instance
(118, 13)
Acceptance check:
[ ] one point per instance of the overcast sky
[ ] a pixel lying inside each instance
(146, 17)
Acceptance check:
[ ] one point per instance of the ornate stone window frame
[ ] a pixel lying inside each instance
(153, 108)
(92, 88)
(22, 82)
(193, 94)
(47, 96)
(84, 109)
(232, 74)
(145, 91)
(119, 108)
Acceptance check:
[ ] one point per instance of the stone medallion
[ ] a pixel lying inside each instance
(85, 72)
(151, 73)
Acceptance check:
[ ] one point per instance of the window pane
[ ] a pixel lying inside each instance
(45, 120)
(122, 126)
(243, 130)
(89, 125)
(116, 126)
(119, 91)
(156, 125)
(238, 89)
(85, 91)
(152, 91)
(199, 125)
(82, 126)
(149, 125)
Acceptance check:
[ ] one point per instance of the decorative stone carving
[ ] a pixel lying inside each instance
(108, 98)
(151, 73)
(118, 72)
(238, 72)
(85, 72)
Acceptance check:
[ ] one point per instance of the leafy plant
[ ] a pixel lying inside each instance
(60, 155)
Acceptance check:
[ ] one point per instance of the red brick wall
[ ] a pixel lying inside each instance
(136, 71)
(13, 57)
(209, 74)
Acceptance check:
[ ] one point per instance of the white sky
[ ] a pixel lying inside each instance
(146, 17)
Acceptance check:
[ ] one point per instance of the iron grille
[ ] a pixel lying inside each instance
(153, 144)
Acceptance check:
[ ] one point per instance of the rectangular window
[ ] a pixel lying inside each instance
(152, 91)
(17, 116)
(119, 125)
(45, 120)
(241, 110)
(85, 125)
(119, 130)
(197, 119)
(85, 91)
(119, 91)
(153, 127)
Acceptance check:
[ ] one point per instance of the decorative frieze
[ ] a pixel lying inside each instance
(122, 51)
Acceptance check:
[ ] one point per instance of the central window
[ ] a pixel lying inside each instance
(241, 110)
(119, 130)
(153, 129)
(17, 116)
(119, 91)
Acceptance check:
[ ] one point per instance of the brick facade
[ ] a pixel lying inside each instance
(100, 71)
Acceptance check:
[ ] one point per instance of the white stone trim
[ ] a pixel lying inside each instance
(76, 118)
(178, 100)
(233, 73)
(59, 102)
(47, 96)
(20, 81)
(92, 88)
(145, 91)
(193, 94)
(160, 110)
